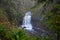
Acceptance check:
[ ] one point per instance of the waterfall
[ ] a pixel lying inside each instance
(27, 21)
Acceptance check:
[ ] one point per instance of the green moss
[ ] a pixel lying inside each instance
(15, 34)
(38, 6)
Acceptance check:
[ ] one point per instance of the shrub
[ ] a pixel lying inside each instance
(15, 34)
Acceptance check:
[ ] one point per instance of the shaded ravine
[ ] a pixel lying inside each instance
(41, 31)
(36, 28)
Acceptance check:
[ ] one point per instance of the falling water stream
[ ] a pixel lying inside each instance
(27, 21)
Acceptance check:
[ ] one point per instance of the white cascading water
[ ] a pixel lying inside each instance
(27, 21)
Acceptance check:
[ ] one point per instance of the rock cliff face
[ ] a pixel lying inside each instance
(14, 9)
(28, 3)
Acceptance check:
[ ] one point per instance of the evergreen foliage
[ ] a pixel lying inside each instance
(14, 34)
